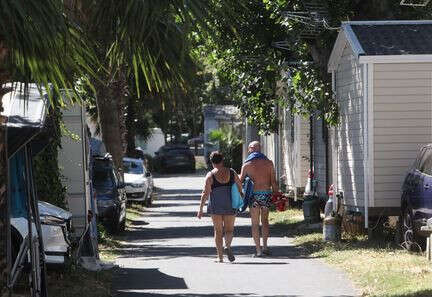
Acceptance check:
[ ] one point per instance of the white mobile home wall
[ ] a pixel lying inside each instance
(319, 156)
(383, 87)
(348, 144)
(74, 167)
(402, 124)
(385, 118)
(295, 151)
(270, 146)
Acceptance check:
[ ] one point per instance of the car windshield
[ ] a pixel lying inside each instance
(133, 167)
(102, 179)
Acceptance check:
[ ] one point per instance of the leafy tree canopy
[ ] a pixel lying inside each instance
(252, 59)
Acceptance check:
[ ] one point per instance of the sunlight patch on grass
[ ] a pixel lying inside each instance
(379, 270)
(289, 216)
(134, 211)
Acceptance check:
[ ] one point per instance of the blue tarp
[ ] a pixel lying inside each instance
(18, 185)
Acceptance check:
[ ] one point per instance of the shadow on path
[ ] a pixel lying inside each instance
(164, 252)
(149, 294)
(169, 232)
(138, 294)
(135, 279)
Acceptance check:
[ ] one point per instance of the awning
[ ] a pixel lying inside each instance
(26, 115)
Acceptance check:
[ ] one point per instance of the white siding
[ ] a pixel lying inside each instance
(303, 138)
(319, 148)
(268, 146)
(349, 133)
(74, 171)
(288, 155)
(402, 124)
(295, 150)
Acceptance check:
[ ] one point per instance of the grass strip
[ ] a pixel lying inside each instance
(76, 281)
(378, 267)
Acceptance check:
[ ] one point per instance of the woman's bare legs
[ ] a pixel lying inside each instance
(218, 235)
(228, 221)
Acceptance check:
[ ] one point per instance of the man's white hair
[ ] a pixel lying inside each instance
(255, 146)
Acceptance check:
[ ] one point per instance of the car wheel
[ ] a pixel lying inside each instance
(409, 240)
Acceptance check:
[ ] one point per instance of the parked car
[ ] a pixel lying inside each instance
(110, 194)
(56, 233)
(174, 156)
(138, 180)
(416, 202)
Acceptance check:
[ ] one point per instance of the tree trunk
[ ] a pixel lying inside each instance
(131, 126)
(110, 103)
(4, 201)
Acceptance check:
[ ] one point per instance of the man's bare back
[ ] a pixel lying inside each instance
(262, 173)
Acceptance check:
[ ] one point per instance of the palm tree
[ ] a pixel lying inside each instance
(112, 40)
(37, 45)
(142, 38)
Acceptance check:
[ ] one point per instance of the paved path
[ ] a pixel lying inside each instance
(170, 253)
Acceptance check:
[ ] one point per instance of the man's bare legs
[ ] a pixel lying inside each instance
(265, 226)
(255, 217)
(218, 235)
(228, 228)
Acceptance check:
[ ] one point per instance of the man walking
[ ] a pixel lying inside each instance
(262, 172)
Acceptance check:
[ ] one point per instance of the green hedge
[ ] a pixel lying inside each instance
(46, 169)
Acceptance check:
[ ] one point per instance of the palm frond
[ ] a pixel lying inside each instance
(151, 35)
(43, 47)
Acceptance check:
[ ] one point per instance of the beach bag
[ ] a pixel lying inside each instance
(236, 198)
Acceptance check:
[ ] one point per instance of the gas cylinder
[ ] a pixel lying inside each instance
(329, 204)
(332, 220)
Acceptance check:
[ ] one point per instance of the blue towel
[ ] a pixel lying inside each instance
(248, 183)
(236, 198)
(248, 193)
(255, 156)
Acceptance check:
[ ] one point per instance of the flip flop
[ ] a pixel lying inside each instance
(230, 254)
(267, 252)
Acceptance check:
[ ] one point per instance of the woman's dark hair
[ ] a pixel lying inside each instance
(216, 157)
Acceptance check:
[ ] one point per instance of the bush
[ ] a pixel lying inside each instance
(46, 169)
(230, 145)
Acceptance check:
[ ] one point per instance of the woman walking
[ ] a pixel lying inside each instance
(218, 185)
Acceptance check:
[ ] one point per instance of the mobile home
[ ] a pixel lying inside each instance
(74, 162)
(295, 151)
(381, 73)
